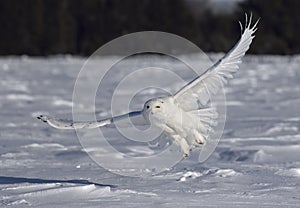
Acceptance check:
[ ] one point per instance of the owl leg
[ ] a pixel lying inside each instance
(199, 139)
(185, 148)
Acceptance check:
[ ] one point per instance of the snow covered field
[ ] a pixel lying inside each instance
(256, 164)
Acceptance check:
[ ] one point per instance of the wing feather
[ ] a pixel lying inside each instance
(212, 80)
(66, 124)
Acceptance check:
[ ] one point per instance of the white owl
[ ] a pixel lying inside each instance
(177, 115)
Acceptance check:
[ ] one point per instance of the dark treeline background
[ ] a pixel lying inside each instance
(44, 27)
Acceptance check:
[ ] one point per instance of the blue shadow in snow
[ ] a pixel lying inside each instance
(14, 180)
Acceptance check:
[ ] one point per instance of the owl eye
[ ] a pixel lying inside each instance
(157, 106)
(148, 106)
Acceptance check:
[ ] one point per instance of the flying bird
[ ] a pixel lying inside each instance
(182, 116)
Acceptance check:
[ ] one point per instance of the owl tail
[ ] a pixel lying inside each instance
(207, 118)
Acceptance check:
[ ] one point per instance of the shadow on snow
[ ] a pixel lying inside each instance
(14, 180)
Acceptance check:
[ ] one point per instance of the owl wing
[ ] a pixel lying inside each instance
(199, 90)
(66, 124)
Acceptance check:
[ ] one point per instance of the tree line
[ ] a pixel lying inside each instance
(45, 27)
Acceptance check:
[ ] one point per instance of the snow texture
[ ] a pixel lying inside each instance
(256, 164)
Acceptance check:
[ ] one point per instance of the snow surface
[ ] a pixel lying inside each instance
(256, 164)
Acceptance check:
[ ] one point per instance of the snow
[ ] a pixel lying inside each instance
(256, 164)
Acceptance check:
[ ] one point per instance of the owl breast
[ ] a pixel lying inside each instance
(174, 117)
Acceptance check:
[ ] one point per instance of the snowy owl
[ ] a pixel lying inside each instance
(180, 116)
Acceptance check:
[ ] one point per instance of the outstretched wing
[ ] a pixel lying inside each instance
(212, 80)
(65, 124)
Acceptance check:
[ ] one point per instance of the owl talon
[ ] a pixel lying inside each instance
(199, 142)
